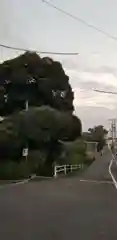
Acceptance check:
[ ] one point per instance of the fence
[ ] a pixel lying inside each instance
(66, 168)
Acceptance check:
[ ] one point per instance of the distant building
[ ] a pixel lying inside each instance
(109, 142)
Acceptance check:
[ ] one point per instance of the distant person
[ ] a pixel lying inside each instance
(101, 152)
(100, 148)
(112, 148)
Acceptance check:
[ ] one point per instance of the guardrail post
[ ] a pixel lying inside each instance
(71, 168)
(55, 172)
(65, 169)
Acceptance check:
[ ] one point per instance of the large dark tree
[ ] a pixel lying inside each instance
(49, 120)
(41, 81)
(41, 128)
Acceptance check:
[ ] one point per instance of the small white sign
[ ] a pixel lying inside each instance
(25, 152)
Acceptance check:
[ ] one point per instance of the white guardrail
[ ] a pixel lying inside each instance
(66, 168)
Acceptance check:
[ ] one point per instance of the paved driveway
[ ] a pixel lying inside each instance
(61, 209)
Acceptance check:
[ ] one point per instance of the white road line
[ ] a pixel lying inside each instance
(110, 171)
(43, 177)
(95, 181)
(17, 183)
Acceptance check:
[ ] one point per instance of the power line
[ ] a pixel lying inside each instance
(39, 52)
(101, 91)
(80, 20)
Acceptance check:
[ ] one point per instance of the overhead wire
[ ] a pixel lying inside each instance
(66, 53)
(61, 53)
(102, 91)
(88, 25)
(37, 51)
(80, 20)
(23, 49)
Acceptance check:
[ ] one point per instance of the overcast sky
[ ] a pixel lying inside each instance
(32, 24)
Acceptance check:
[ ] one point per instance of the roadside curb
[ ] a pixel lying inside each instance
(41, 178)
(17, 182)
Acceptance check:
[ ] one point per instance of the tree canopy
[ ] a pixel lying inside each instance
(98, 133)
(41, 81)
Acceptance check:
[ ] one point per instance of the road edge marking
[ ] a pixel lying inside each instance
(110, 172)
(95, 181)
(17, 183)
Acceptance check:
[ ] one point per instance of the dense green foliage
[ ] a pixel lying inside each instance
(40, 128)
(74, 152)
(43, 84)
(41, 81)
(98, 133)
(95, 134)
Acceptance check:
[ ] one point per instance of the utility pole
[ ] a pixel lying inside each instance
(113, 131)
(25, 150)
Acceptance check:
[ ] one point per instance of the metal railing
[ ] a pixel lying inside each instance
(66, 168)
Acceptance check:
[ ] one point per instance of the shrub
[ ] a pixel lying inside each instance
(11, 170)
(73, 152)
(38, 162)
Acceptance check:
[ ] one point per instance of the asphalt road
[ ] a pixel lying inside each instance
(99, 169)
(61, 209)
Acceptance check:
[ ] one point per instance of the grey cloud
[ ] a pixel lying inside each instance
(14, 24)
(100, 69)
(87, 95)
(84, 66)
(95, 85)
(4, 20)
(69, 64)
(88, 85)
(91, 116)
(7, 21)
(80, 82)
(108, 69)
(104, 69)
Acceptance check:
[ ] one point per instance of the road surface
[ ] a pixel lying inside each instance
(61, 209)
